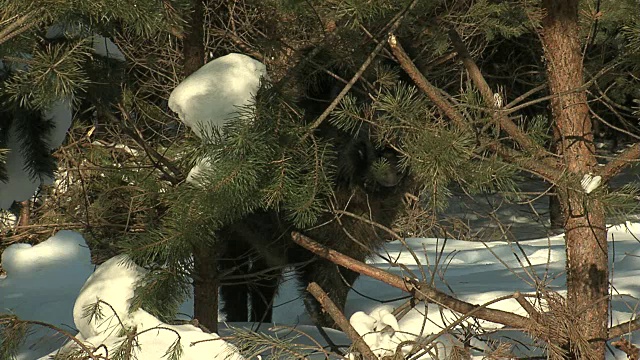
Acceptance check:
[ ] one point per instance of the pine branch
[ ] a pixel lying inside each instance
(529, 164)
(18, 26)
(14, 320)
(626, 158)
(421, 81)
(159, 161)
(488, 96)
(548, 172)
(394, 26)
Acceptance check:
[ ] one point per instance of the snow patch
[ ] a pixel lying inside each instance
(590, 182)
(113, 283)
(381, 331)
(41, 283)
(212, 95)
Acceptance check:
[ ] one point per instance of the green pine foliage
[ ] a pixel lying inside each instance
(49, 73)
(46, 55)
(32, 129)
(621, 202)
(12, 335)
(267, 157)
(499, 19)
(252, 344)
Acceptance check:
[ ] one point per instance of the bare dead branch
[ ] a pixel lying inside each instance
(624, 328)
(620, 162)
(176, 176)
(533, 313)
(520, 98)
(544, 169)
(529, 164)
(422, 291)
(18, 26)
(394, 26)
(632, 351)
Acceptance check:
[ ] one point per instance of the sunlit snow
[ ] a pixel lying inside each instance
(213, 94)
(44, 281)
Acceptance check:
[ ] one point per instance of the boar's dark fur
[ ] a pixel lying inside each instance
(257, 248)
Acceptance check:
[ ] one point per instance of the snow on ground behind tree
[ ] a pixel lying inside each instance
(43, 282)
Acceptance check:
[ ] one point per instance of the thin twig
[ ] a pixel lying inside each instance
(358, 74)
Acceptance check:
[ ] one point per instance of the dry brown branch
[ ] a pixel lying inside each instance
(624, 328)
(423, 84)
(632, 351)
(337, 316)
(487, 94)
(620, 162)
(420, 290)
(176, 176)
(522, 97)
(533, 313)
(529, 164)
(544, 169)
(18, 26)
(25, 213)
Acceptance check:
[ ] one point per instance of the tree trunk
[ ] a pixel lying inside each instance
(205, 287)
(193, 41)
(556, 220)
(584, 219)
(205, 277)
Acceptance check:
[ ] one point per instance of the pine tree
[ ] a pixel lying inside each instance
(446, 108)
(48, 56)
(54, 53)
(468, 138)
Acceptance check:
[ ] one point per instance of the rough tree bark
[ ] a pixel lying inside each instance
(205, 277)
(584, 217)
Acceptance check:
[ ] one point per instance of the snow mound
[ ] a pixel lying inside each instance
(42, 282)
(115, 273)
(381, 331)
(199, 169)
(112, 286)
(56, 254)
(212, 95)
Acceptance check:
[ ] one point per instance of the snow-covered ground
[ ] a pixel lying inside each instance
(44, 282)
